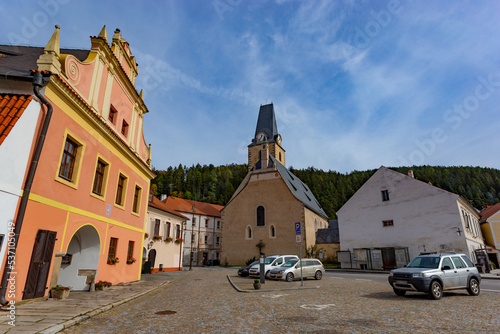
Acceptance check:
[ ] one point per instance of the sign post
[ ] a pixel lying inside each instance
(261, 269)
(298, 240)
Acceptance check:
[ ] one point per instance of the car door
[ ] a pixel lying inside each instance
(449, 275)
(462, 271)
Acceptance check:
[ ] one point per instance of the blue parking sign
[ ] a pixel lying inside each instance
(298, 228)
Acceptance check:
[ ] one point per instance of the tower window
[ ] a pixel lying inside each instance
(385, 195)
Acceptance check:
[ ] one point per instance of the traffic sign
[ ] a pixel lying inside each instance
(298, 229)
(298, 239)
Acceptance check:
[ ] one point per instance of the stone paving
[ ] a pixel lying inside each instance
(204, 301)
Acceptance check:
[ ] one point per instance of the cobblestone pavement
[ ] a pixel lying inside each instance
(205, 302)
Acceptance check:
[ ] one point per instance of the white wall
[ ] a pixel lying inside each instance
(423, 216)
(14, 154)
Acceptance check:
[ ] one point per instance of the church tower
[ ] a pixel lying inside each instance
(266, 139)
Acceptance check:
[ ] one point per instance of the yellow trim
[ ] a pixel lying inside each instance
(69, 208)
(64, 231)
(105, 238)
(104, 180)
(78, 160)
(96, 229)
(124, 190)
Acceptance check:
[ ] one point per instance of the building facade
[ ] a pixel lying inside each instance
(163, 241)
(202, 232)
(490, 226)
(393, 217)
(86, 211)
(262, 214)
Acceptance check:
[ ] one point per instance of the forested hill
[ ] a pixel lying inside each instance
(332, 189)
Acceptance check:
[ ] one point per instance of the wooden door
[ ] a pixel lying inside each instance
(152, 257)
(389, 258)
(40, 264)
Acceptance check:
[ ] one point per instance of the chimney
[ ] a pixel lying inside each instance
(163, 197)
(410, 174)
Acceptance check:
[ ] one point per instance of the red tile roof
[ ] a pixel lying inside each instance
(186, 205)
(12, 107)
(489, 211)
(156, 203)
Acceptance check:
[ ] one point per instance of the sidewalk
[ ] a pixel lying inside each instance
(53, 315)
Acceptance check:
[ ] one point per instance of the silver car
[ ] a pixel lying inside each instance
(291, 270)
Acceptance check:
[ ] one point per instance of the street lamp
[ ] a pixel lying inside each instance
(459, 232)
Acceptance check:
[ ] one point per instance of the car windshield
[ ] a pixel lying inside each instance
(269, 260)
(424, 262)
(290, 263)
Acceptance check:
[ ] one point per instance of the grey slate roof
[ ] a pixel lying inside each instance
(328, 235)
(299, 189)
(266, 123)
(17, 61)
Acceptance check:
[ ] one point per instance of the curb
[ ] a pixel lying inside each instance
(87, 315)
(270, 290)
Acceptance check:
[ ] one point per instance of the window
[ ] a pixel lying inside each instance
(194, 222)
(385, 195)
(386, 223)
(192, 238)
(130, 252)
(206, 239)
(218, 240)
(272, 232)
(137, 199)
(99, 178)
(124, 128)
(261, 216)
(112, 115)
(248, 234)
(218, 224)
(68, 160)
(167, 229)
(113, 242)
(178, 232)
(157, 227)
(206, 222)
(458, 262)
(447, 262)
(120, 190)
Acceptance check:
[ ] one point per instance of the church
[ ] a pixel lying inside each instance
(262, 213)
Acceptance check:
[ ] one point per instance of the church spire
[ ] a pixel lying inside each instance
(49, 60)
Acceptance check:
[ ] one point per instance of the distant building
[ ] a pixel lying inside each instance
(202, 230)
(261, 215)
(86, 209)
(490, 226)
(328, 241)
(393, 217)
(163, 238)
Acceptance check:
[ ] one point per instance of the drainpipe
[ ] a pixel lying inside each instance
(38, 82)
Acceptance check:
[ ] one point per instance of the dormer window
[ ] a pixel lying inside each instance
(112, 115)
(125, 128)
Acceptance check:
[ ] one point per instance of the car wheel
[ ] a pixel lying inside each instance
(289, 277)
(473, 288)
(267, 273)
(436, 290)
(400, 292)
(318, 275)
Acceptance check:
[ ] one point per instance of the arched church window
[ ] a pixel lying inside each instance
(272, 231)
(248, 233)
(315, 225)
(261, 216)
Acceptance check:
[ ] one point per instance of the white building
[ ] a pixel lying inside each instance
(203, 231)
(163, 240)
(18, 117)
(393, 217)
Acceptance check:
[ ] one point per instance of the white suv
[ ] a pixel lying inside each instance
(271, 262)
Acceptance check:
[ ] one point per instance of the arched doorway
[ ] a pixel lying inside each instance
(152, 257)
(84, 248)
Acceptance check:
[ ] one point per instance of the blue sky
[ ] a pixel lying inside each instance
(355, 84)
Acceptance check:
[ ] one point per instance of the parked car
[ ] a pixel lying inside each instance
(271, 262)
(243, 272)
(434, 273)
(292, 269)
